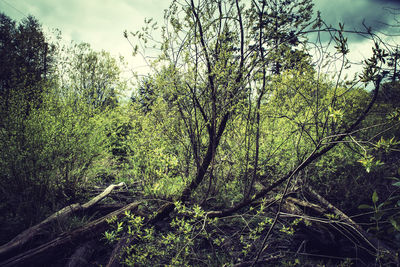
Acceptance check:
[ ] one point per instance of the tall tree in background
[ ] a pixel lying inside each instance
(51, 103)
(27, 59)
(278, 34)
(279, 30)
(91, 75)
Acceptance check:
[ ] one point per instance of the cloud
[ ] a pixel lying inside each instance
(353, 14)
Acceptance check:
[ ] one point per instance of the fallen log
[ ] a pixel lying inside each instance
(50, 250)
(379, 246)
(103, 208)
(122, 195)
(114, 259)
(82, 255)
(28, 236)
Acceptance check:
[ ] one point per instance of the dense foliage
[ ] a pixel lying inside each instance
(236, 117)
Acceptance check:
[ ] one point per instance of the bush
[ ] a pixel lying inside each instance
(45, 156)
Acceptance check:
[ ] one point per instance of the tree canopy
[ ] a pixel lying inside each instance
(27, 59)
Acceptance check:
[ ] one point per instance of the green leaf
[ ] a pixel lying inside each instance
(394, 224)
(375, 197)
(382, 204)
(397, 184)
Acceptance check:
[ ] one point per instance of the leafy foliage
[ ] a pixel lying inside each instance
(45, 157)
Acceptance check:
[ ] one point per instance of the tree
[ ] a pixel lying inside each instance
(222, 66)
(51, 129)
(229, 55)
(91, 75)
(279, 30)
(219, 64)
(146, 94)
(28, 60)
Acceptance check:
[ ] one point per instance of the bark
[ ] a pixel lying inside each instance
(114, 260)
(81, 256)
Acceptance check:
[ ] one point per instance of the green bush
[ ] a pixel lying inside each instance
(45, 156)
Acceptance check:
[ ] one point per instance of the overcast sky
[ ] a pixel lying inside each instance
(381, 15)
(102, 22)
(98, 22)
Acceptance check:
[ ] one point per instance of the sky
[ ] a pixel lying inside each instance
(353, 12)
(102, 22)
